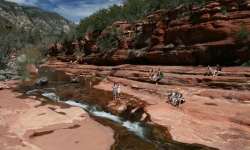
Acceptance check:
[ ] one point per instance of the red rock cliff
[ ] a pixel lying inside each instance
(188, 35)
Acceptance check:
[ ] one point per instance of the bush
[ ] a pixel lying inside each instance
(242, 34)
(25, 76)
(79, 54)
(105, 43)
(246, 64)
(224, 10)
(31, 56)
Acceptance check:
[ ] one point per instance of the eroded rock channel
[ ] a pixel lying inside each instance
(131, 127)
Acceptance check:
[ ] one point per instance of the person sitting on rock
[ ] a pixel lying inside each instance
(151, 73)
(209, 71)
(180, 100)
(217, 70)
(170, 98)
(175, 99)
(154, 74)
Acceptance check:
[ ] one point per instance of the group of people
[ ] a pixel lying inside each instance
(158, 75)
(176, 99)
(116, 91)
(209, 71)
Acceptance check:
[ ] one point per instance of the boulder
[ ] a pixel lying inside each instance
(42, 80)
(2, 72)
(32, 69)
(15, 77)
(21, 59)
(2, 77)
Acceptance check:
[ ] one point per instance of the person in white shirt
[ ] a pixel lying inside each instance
(118, 90)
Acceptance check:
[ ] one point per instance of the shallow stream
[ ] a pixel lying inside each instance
(128, 133)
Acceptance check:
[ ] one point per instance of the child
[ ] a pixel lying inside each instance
(118, 90)
(114, 91)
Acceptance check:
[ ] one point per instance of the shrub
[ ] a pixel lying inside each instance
(25, 76)
(241, 1)
(105, 43)
(242, 34)
(31, 56)
(246, 64)
(178, 42)
(79, 54)
(224, 10)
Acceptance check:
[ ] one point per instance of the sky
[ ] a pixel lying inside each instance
(73, 10)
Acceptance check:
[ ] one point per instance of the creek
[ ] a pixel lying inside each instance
(129, 133)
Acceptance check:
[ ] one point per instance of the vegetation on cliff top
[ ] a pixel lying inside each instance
(131, 11)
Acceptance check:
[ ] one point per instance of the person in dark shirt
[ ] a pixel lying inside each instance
(217, 70)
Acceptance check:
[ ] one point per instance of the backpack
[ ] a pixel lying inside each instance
(161, 75)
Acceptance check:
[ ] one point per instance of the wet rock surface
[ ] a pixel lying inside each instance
(27, 124)
(42, 80)
(216, 111)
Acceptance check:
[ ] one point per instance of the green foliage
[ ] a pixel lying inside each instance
(105, 43)
(131, 11)
(25, 76)
(2, 64)
(241, 1)
(134, 36)
(246, 64)
(223, 10)
(33, 56)
(242, 34)
(114, 36)
(178, 42)
(79, 54)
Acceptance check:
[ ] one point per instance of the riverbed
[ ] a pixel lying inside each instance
(128, 132)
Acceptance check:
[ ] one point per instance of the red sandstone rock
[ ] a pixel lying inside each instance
(5, 26)
(24, 126)
(195, 27)
(54, 49)
(32, 69)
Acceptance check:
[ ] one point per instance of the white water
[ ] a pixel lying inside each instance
(52, 96)
(32, 92)
(131, 126)
(35, 91)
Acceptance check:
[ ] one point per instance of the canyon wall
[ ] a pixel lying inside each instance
(187, 35)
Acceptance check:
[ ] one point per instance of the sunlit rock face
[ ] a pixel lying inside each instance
(187, 35)
(32, 69)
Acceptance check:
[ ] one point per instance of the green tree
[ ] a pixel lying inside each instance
(242, 34)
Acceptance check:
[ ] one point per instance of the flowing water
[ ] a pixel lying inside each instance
(128, 133)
